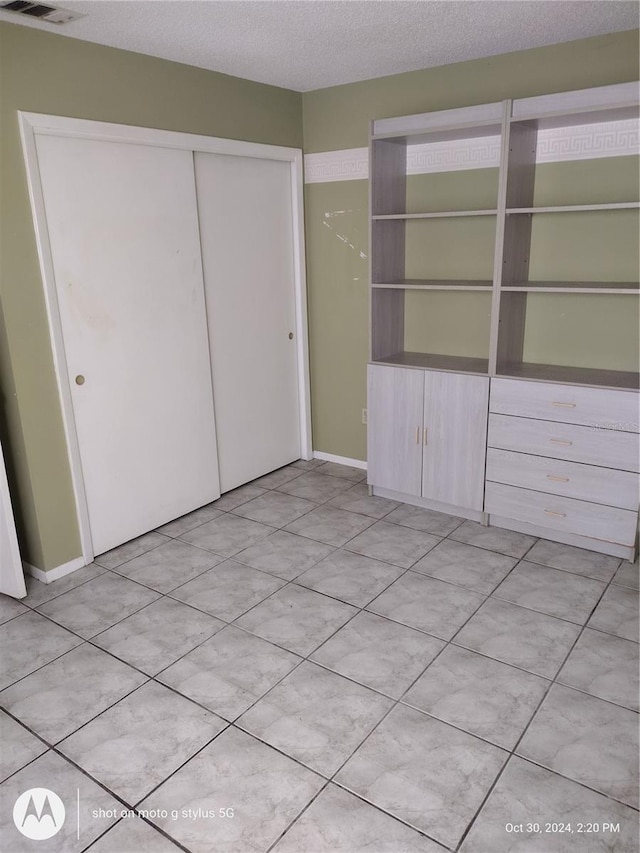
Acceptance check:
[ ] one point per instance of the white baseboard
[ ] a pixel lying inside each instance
(339, 460)
(54, 574)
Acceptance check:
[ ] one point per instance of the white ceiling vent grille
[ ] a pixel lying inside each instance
(41, 11)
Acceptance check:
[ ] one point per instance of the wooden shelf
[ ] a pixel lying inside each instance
(573, 375)
(575, 208)
(434, 361)
(443, 214)
(595, 287)
(433, 284)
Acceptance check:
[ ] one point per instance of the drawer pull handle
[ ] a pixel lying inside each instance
(418, 431)
(561, 442)
(564, 405)
(556, 514)
(557, 479)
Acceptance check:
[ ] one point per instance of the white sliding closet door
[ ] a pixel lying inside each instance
(123, 230)
(246, 228)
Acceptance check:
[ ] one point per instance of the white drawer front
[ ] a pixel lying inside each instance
(558, 477)
(559, 513)
(565, 441)
(572, 404)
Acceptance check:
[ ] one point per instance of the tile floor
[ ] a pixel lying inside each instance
(303, 668)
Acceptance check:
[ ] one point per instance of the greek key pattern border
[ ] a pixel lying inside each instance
(582, 142)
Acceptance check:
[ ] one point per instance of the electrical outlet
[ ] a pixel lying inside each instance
(364, 416)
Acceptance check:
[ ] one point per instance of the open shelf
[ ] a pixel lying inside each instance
(441, 214)
(437, 284)
(611, 287)
(572, 375)
(575, 208)
(435, 361)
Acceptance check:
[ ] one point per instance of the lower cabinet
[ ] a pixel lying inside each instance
(427, 434)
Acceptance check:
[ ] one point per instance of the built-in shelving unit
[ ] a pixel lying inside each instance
(523, 238)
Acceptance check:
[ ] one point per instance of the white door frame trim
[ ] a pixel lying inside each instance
(35, 124)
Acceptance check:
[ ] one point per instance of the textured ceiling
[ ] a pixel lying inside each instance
(310, 44)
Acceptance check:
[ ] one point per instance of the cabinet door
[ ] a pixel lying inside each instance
(394, 457)
(455, 420)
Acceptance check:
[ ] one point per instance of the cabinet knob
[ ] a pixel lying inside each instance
(79, 379)
(290, 336)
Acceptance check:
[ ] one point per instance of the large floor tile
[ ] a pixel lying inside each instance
(428, 604)
(426, 520)
(28, 642)
(604, 666)
(284, 554)
(65, 694)
(529, 795)
(135, 836)
(227, 534)
(297, 619)
(627, 575)
(316, 717)
(339, 822)
(277, 478)
(379, 653)
(10, 608)
(425, 772)
(493, 539)
(98, 604)
(237, 497)
(275, 509)
(521, 637)
(158, 635)
(347, 472)
(38, 592)
(586, 739)
(190, 520)
(169, 566)
(228, 590)
(477, 694)
(51, 771)
(265, 789)
(230, 671)
(551, 591)
(358, 499)
(465, 565)
(571, 559)
(315, 487)
(19, 746)
(392, 543)
(617, 613)
(350, 577)
(141, 740)
(331, 526)
(117, 556)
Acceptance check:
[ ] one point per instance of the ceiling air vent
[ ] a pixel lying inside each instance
(41, 11)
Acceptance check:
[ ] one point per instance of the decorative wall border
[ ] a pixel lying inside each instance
(581, 142)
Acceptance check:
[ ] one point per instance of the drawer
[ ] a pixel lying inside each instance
(558, 477)
(559, 513)
(572, 404)
(601, 447)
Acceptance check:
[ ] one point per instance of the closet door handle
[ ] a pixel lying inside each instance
(556, 514)
(557, 479)
(425, 433)
(418, 435)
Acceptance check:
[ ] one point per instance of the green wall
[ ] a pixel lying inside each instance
(336, 220)
(47, 73)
